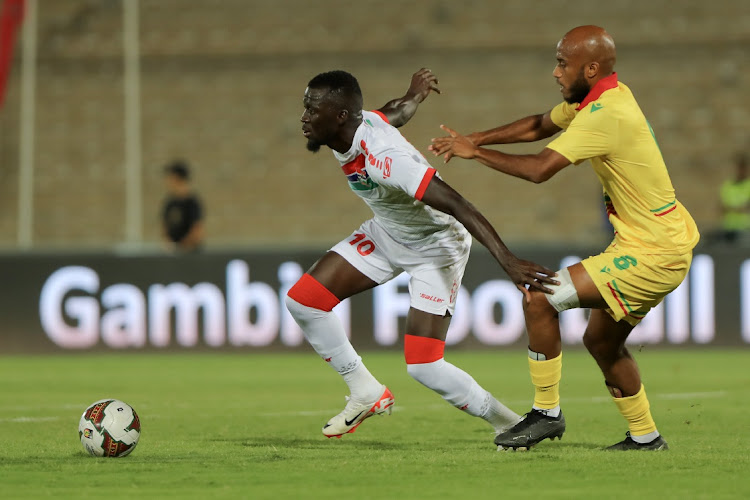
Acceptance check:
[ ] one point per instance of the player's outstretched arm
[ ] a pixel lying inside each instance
(529, 129)
(441, 196)
(534, 168)
(399, 111)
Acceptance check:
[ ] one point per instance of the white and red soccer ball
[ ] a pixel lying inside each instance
(109, 428)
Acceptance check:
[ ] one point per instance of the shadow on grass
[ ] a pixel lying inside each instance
(550, 448)
(275, 448)
(63, 458)
(312, 444)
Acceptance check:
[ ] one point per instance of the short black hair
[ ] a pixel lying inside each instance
(343, 86)
(178, 168)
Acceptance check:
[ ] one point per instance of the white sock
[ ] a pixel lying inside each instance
(325, 333)
(500, 416)
(461, 390)
(646, 438)
(550, 412)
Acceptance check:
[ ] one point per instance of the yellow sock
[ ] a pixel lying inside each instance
(636, 411)
(545, 375)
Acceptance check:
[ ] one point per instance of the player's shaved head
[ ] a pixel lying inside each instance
(590, 44)
(585, 55)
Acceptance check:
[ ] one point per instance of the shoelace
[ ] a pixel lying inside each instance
(350, 403)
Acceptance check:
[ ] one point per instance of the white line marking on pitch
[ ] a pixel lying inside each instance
(29, 419)
(596, 399)
(318, 413)
(82, 406)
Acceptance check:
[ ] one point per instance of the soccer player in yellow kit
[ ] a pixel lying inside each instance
(648, 258)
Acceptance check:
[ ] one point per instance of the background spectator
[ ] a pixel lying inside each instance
(182, 215)
(735, 203)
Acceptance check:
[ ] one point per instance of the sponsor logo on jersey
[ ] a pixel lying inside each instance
(382, 165)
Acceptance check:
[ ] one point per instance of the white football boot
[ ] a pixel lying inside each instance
(355, 412)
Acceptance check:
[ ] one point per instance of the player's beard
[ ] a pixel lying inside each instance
(579, 89)
(313, 145)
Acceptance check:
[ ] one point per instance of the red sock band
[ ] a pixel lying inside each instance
(309, 292)
(418, 350)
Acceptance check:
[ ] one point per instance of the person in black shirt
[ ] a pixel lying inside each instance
(182, 215)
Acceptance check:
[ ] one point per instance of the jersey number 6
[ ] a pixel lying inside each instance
(365, 246)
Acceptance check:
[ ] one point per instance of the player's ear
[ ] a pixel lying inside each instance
(592, 69)
(343, 115)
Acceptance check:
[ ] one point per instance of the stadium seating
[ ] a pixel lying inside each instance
(222, 83)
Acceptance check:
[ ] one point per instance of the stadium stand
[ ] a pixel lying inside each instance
(222, 83)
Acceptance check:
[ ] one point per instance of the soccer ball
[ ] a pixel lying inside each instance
(109, 428)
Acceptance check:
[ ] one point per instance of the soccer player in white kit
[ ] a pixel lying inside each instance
(420, 225)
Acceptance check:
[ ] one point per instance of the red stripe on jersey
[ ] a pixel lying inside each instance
(665, 213)
(356, 165)
(425, 182)
(381, 115)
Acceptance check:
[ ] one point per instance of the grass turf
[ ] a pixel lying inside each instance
(248, 426)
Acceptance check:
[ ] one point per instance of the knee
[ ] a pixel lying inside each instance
(295, 308)
(592, 343)
(309, 294)
(424, 358)
(564, 297)
(301, 312)
(600, 347)
(538, 305)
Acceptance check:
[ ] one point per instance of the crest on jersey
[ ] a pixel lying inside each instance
(356, 174)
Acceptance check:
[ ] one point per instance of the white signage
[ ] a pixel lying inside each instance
(75, 312)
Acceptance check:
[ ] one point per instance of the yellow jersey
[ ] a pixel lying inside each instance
(609, 129)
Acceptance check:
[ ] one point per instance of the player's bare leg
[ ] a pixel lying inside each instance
(545, 420)
(424, 346)
(310, 302)
(605, 340)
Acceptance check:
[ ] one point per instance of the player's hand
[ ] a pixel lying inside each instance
(422, 83)
(528, 274)
(453, 145)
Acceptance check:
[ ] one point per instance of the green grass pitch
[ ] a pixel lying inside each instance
(248, 426)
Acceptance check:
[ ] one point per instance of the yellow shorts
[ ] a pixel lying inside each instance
(632, 283)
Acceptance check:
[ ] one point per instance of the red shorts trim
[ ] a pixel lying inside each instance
(309, 292)
(419, 350)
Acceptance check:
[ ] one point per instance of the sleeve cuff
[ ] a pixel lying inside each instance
(425, 182)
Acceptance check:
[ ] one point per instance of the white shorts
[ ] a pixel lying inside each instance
(436, 269)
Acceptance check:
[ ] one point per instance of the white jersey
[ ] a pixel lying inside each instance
(391, 176)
